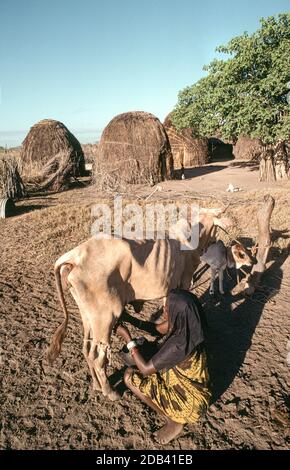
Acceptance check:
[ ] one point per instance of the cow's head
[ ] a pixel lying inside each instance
(182, 231)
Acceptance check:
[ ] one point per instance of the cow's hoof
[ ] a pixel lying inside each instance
(114, 395)
(96, 387)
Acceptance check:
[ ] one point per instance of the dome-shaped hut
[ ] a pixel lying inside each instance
(51, 155)
(247, 148)
(187, 151)
(134, 148)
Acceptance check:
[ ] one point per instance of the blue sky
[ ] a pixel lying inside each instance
(83, 62)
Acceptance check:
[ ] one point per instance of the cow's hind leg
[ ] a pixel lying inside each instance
(101, 325)
(98, 355)
(87, 339)
(86, 353)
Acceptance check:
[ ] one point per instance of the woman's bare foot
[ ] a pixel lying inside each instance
(169, 431)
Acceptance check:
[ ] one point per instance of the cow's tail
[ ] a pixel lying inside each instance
(59, 335)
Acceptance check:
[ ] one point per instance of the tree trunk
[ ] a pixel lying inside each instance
(250, 283)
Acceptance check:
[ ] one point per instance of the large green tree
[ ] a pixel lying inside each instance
(245, 94)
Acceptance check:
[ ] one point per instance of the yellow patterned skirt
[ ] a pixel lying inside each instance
(181, 393)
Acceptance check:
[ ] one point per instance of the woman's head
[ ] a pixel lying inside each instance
(185, 332)
(180, 306)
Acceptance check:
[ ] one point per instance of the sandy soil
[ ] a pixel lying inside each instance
(44, 407)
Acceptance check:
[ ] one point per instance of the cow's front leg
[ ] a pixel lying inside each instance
(99, 356)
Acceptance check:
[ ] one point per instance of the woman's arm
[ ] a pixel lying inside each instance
(162, 328)
(146, 368)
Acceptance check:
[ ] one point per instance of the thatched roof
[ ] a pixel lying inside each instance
(134, 148)
(51, 155)
(187, 150)
(247, 148)
(11, 185)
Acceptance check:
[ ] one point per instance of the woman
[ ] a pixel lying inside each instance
(174, 383)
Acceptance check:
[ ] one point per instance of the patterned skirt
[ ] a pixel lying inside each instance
(181, 393)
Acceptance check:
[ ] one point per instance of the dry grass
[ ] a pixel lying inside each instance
(68, 224)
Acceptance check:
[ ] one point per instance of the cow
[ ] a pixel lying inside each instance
(104, 275)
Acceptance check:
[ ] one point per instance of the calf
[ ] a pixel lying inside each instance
(219, 257)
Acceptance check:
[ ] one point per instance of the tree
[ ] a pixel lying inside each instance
(247, 93)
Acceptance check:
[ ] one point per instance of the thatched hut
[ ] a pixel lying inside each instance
(51, 155)
(134, 148)
(247, 148)
(187, 151)
(11, 184)
(219, 150)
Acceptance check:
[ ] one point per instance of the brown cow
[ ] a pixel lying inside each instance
(103, 275)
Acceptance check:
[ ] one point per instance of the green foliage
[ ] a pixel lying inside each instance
(247, 93)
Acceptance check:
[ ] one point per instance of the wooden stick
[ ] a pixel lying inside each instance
(251, 282)
(264, 244)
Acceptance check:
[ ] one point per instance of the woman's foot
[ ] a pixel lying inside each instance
(169, 431)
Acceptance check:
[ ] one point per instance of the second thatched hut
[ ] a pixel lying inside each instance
(187, 151)
(134, 148)
(51, 155)
(247, 148)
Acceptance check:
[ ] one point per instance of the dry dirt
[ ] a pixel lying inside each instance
(46, 407)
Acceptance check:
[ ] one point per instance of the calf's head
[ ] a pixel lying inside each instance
(240, 255)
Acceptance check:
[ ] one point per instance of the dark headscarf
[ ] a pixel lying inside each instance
(186, 322)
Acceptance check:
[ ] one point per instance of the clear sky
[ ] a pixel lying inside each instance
(84, 61)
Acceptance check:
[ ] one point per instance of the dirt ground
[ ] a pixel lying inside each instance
(43, 407)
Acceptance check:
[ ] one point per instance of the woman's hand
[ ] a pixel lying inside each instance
(124, 332)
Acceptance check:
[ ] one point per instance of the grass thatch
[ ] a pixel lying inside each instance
(247, 148)
(11, 185)
(51, 155)
(134, 148)
(187, 151)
